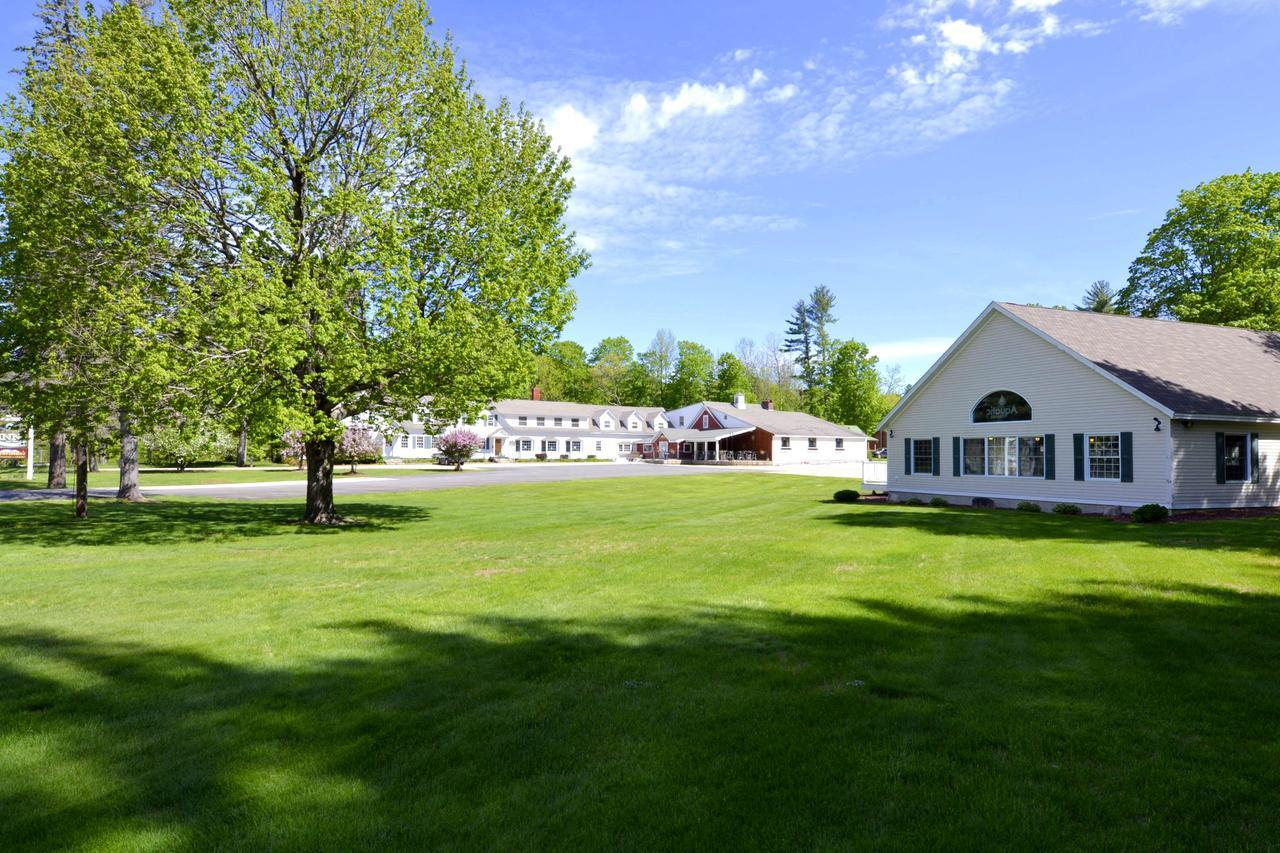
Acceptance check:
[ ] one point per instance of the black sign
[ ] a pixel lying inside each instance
(1001, 406)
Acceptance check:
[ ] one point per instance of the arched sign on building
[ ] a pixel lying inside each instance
(1001, 406)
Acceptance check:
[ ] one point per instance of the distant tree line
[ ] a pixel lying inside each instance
(808, 369)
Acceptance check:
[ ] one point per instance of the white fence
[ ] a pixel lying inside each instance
(875, 473)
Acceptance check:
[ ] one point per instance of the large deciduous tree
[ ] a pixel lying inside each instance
(855, 393)
(692, 378)
(375, 232)
(1216, 256)
(96, 142)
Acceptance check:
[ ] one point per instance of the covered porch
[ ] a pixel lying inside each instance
(711, 446)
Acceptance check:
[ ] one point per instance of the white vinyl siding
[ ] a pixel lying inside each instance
(1195, 467)
(1066, 397)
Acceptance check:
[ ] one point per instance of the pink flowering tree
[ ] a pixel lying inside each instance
(293, 449)
(457, 446)
(356, 445)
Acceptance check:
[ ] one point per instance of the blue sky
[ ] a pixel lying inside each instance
(921, 158)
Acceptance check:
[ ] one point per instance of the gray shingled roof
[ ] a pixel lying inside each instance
(1190, 368)
(701, 434)
(785, 423)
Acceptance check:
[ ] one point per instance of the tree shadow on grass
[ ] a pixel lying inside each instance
(173, 522)
(1103, 717)
(1261, 535)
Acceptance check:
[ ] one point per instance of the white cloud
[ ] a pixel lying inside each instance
(695, 97)
(1033, 5)
(742, 54)
(780, 94)
(572, 130)
(962, 34)
(758, 78)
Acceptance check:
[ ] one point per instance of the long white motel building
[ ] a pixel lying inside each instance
(736, 431)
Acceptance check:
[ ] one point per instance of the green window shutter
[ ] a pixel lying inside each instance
(955, 456)
(1126, 457)
(1220, 449)
(1077, 444)
(1049, 473)
(906, 457)
(1255, 458)
(937, 456)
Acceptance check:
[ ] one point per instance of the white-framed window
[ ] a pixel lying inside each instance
(1003, 456)
(491, 421)
(688, 447)
(541, 421)
(558, 421)
(706, 421)
(786, 442)
(599, 446)
(839, 444)
(404, 441)
(1236, 458)
(813, 444)
(552, 445)
(429, 441)
(523, 420)
(606, 423)
(1103, 457)
(682, 420)
(574, 422)
(419, 442)
(623, 446)
(648, 448)
(922, 456)
(525, 444)
(574, 446)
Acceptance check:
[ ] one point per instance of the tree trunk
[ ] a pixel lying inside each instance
(320, 508)
(129, 489)
(93, 458)
(58, 461)
(82, 480)
(242, 450)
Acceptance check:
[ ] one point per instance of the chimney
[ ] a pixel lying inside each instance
(766, 405)
(739, 401)
(537, 393)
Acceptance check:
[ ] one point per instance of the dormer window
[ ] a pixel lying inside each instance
(682, 420)
(522, 420)
(542, 421)
(706, 421)
(575, 423)
(558, 422)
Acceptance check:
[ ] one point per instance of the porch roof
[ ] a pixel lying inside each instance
(702, 434)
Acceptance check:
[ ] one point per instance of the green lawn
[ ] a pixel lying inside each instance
(724, 661)
(109, 479)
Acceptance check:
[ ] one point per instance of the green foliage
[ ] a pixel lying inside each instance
(1216, 256)
(1150, 514)
(100, 147)
(692, 378)
(1100, 298)
(610, 362)
(1066, 509)
(562, 373)
(846, 496)
(181, 445)
(1028, 506)
(731, 378)
(855, 396)
(939, 502)
(913, 501)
